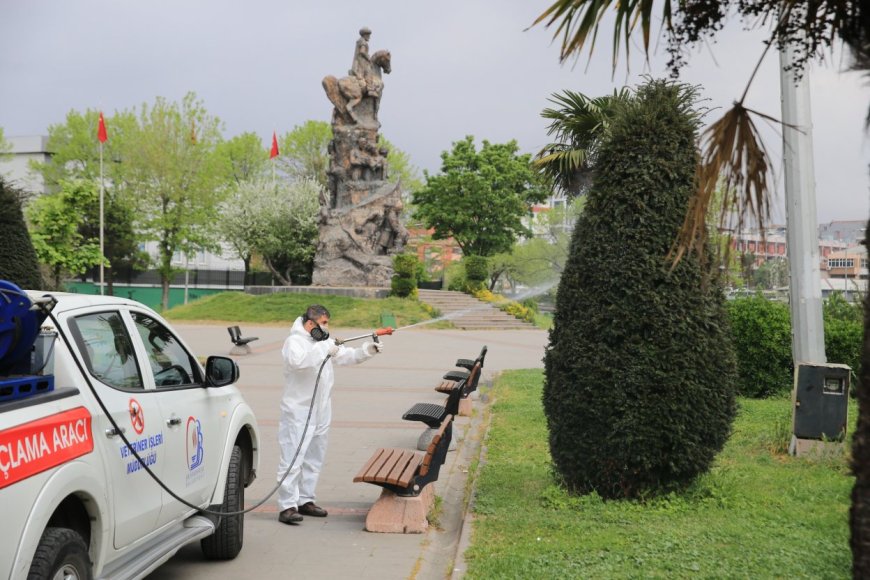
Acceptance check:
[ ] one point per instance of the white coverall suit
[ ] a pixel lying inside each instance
(302, 359)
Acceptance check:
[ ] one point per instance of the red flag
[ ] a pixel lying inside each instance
(101, 130)
(274, 153)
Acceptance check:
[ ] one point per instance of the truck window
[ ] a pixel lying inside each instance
(171, 364)
(107, 349)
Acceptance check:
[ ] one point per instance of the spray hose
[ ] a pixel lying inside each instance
(374, 335)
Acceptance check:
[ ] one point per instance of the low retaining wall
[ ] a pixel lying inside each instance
(353, 292)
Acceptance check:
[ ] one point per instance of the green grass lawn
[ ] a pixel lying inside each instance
(283, 308)
(758, 514)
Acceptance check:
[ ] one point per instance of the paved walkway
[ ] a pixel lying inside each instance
(368, 402)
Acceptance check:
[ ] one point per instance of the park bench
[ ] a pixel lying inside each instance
(433, 414)
(405, 477)
(241, 345)
(452, 376)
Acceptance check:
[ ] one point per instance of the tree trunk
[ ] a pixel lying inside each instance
(859, 516)
(284, 281)
(110, 282)
(164, 283)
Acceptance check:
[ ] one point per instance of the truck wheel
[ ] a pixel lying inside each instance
(61, 555)
(226, 542)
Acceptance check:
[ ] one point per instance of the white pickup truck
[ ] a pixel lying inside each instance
(76, 501)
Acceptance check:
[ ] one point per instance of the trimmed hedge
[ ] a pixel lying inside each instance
(640, 372)
(404, 281)
(762, 339)
(476, 272)
(762, 336)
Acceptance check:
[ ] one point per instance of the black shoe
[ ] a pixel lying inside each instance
(290, 516)
(312, 509)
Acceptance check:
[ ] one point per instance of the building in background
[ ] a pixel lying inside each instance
(850, 232)
(15, 168)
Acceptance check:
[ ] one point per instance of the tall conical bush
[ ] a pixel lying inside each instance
(640, 371)
(18, 263)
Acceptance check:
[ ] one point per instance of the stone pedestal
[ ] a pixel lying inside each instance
(393, 514)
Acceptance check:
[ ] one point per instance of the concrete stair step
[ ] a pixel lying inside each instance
(481, 315)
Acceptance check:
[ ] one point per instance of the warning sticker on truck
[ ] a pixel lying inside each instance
(33, 447)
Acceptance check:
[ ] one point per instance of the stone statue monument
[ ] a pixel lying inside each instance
(360, 229)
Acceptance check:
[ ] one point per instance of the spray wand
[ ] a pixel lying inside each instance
(373, 335)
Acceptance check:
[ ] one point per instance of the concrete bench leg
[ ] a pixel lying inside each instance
(240, 350)
(465, 407)
(393, 514)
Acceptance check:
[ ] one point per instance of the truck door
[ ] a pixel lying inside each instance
(105, 345)
(195, 417)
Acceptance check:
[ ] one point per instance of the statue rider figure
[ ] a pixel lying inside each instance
(362, 65)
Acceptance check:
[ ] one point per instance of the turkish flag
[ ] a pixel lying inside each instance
(274, 153)
(101, 130)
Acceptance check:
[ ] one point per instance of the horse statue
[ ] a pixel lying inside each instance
(347, 92)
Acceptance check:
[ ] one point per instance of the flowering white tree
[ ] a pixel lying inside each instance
(277, 221)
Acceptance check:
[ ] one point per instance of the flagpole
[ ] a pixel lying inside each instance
(102, 251)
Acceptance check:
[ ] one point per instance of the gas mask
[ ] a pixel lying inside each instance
(319, 333)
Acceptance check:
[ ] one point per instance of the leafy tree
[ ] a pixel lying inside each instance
(56, 221)
(287, 217)
(76, 156)
(244, 158)
(539, 261)
(18, 263)
(480, 197)
(400, 168)
(5, 146)
(578, 125)
(246, 216)
(771, 274)
(640, 373)
(304, 151)
(178, 179)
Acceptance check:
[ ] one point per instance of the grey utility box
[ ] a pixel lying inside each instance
(821, 401)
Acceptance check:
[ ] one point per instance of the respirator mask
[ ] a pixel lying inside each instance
(319, 333)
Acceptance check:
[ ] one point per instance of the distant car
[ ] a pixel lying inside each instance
(76, 501)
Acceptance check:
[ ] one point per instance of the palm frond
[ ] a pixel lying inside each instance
(577, 23)
(735, 158)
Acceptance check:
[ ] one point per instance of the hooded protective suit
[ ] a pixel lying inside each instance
(302, 359)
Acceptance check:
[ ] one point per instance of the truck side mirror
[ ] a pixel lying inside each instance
(221, 371)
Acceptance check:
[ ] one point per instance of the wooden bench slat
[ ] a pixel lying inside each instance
(383, 465)
(403, 462)
(393, 466)
(377, 455)
(445, 386)
(405, 476)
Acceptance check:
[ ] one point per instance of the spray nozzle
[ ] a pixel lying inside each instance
(372, 335)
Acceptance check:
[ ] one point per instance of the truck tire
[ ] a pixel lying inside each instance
(61, 555)
(226, 542)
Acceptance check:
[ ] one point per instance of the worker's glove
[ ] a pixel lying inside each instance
(333, 349)
(373, 348)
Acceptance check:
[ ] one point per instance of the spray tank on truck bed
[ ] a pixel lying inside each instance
(25, 350)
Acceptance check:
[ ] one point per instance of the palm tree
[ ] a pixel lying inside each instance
(577, 125)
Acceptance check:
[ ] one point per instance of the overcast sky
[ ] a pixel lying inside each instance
(460, 67)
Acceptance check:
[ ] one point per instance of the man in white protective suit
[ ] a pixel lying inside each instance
(305, 350)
